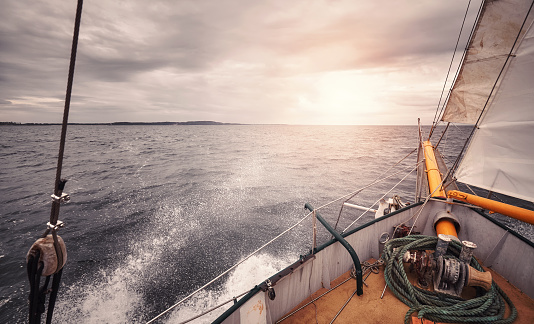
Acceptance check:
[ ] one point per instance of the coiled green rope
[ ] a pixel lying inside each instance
(438, 307)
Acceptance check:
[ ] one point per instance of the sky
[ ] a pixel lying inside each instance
(320, 62)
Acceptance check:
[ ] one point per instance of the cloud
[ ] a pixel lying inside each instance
(232, 61)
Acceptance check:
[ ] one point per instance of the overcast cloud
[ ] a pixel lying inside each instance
(294, 62)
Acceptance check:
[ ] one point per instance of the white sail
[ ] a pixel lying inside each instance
(494, 36)
(500, 156)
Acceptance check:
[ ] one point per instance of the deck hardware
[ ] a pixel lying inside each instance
(372, 268)
(270, 290)
(455, 272)
(423, 264)
(452, 275)
(467, 251)
(384, 237)
(44, 251)
(442, 245)
(59, 224)
(64, 198)
(402, 231)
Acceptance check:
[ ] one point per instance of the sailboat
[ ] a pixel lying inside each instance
(466, 266)
(442, 258)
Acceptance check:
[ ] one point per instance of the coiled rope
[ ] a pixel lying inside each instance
(435, 306)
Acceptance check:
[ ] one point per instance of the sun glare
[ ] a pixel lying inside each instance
(344, 97)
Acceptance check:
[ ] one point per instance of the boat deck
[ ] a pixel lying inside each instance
(370, 308)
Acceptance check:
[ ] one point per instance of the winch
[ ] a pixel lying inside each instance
(449, 275)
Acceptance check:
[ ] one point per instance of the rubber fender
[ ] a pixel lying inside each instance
(45, 246)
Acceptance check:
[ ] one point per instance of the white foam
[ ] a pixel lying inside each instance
(112, 295)
(111, 299)
(248, 274)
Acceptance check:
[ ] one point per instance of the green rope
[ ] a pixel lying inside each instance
(435, 306)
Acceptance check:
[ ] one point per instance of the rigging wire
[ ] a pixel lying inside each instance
(415, 168)
(359, 190)
(434, 122)
(213, 308)
(272, 240)
(370, 184)
(456, 163)
(229, 269)
(427, 198)
(458, 70)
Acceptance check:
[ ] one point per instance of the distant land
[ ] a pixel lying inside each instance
(198, 122)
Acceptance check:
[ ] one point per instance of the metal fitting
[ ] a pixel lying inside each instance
(270, 290)
(467, 251)
(442, 245)
(59, 224)
(64, 198)
(382, 240)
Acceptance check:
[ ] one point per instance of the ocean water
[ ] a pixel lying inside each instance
(157, 211)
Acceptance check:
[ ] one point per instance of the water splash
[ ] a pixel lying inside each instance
(248, 274)
(115, 294)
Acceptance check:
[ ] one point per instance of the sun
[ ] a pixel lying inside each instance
(339, 97)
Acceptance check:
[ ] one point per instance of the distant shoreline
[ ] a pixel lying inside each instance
(201, 122)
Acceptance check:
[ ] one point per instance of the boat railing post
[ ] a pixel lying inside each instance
(346, 245)
(314, 246)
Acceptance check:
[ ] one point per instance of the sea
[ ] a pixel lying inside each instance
(158, 211)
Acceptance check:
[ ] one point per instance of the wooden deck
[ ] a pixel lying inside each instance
(369, 308)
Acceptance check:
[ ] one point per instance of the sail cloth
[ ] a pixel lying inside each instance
(493, 38)
(500, 156)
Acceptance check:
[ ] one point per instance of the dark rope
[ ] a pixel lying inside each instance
(59, 184)
(37, 296)
(53, 295)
